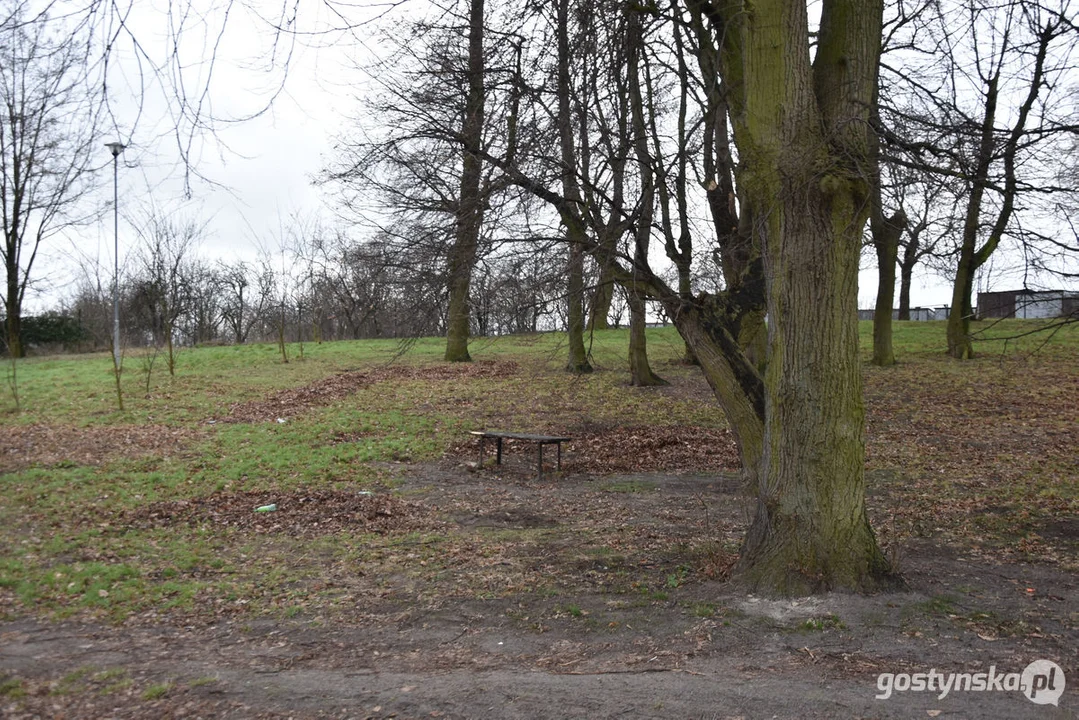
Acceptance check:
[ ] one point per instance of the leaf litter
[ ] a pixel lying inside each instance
(293, 402)
(309, 513)
(27, 446)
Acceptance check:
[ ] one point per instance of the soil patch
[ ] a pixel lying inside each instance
(59, 445)
(306, 514)
(515, 518)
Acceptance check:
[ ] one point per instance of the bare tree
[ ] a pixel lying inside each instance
(49, 121)
(984, 104)
(165, 286)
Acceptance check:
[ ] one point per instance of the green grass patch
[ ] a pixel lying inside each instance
(156, 691)
(12, 688)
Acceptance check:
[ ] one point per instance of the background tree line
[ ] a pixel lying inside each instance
(328, 288)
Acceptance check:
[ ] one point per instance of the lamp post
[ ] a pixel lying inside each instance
(116, 148)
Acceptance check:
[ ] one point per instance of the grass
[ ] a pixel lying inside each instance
(156, 691)
(11, 688)
(65, 550)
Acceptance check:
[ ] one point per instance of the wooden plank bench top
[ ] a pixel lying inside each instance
(520, 436)
(499, 435)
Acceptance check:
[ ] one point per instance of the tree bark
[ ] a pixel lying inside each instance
(602, 297)
(640, 372)
(469, 218)
(13, 324)
(906, 274)
(885, 232)
(804, 151)
(576, 235)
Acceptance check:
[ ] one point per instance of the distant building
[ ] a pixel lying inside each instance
(916, 314)
(1027, 304)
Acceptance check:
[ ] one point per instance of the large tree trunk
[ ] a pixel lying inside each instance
(811, 531)
(804, 151)
(470, 205)
(602, 297)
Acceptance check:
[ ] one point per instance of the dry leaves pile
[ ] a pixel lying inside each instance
(51, 445)
(307, 514)
(657, 448)
(296, 401)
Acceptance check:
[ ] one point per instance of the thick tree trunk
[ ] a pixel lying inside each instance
(470, 205)
(640, 372)
(886, 232)
(811, 530)
(602, 297)
(959, 315)
(804, 153)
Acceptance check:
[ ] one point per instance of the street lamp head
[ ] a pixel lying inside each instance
(115, 147)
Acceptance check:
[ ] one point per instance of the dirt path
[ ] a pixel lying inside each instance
(291, 670)
(699, 649)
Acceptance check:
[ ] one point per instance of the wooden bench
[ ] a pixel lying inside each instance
(540, 440)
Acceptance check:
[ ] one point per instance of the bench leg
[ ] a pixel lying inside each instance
(498, 459)
(559, 446)
(539, 455)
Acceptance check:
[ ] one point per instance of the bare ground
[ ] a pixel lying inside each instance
(587, 648)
